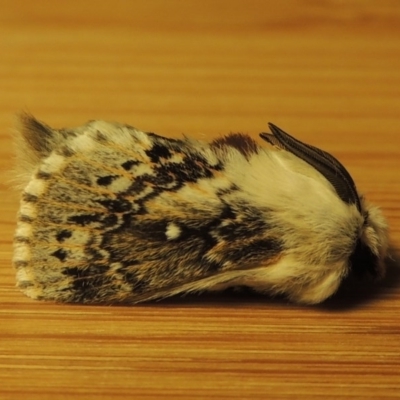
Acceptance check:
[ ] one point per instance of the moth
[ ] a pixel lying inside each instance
(111, 214)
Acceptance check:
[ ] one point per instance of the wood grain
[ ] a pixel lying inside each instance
(326, 71)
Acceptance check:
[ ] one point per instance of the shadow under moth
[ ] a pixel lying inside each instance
(111, 214)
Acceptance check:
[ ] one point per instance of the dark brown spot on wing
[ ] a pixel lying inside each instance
(239, 141)
(60, 254)
(29, 198)
(127, 165)
(106, 180)
(63, 235)
(158, 151)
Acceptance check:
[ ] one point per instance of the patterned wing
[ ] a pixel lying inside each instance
(114, 214)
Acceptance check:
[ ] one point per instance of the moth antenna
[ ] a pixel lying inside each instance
(322, 161)
(270, 138)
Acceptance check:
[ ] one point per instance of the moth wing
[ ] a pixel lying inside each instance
(117, 215)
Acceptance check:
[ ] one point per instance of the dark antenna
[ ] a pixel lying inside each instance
(322, 161)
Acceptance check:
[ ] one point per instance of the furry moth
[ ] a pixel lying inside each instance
(111, 214)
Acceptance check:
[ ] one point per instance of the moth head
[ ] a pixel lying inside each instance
(371, 239)
(371, 246)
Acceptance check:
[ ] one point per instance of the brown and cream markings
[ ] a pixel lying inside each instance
(112, 214)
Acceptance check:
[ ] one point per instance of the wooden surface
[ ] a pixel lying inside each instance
(326, 71)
